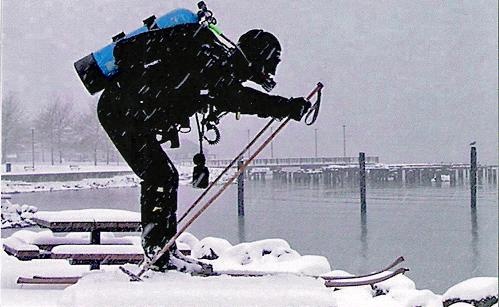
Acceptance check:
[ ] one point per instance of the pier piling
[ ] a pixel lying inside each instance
(362, 177)
(240, 190)
(473, 176)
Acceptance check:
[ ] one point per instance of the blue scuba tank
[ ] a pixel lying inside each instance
(97, 68)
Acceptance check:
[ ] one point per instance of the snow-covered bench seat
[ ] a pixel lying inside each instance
(41, 280)
(20, 249)
(45, 241)
(102, 254)
(48, 243)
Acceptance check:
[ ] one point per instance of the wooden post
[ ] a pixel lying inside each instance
(95, 239)
(473, 176)
(362, 177)
(363, 207)
(240, 190)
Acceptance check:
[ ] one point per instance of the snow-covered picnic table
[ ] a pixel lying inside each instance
(80, 249)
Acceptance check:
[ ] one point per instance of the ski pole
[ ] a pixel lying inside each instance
(170, 242)
(255, 138)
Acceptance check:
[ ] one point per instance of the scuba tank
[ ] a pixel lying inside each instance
(97, 68)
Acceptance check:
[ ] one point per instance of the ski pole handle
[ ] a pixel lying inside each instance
(317, 88)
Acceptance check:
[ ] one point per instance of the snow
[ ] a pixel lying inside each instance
(97, 249)
(89, 215)
(413, 297)
(12, 268)
(28, 236)
(19, 244)
(246, 253)
(398, 282)
(8, 186)
(353, 296)
(473, 289)
(110, 287)
(177, 289)
(209, 248)
(187, 239)
(274, 255)
(47, 237)
(15, 215)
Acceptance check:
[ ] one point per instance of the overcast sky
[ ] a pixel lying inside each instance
(413, 81)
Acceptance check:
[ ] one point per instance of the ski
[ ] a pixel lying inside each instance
(352, 281)
(243, 273)
(390, 266)
(356, 281)
(330, 282)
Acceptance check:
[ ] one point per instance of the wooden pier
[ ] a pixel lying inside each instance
(345, 171)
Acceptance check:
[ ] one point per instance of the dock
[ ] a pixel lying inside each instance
(345, 171)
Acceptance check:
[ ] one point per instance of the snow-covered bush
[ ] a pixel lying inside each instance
(478, 291)
(210, 248)
(15, 215)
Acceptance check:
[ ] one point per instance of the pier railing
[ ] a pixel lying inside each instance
(323, 161)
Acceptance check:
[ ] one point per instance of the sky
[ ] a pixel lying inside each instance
(412, 81)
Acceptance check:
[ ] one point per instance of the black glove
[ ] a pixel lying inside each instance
(298, 107)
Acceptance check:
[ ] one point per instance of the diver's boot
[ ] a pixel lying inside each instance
(159, 222)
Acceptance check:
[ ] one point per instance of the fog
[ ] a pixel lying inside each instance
(413, 81)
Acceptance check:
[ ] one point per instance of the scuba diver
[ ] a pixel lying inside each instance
(167, 75)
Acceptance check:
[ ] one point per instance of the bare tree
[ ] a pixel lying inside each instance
(91, 137)
(54, 124)
(14, 121)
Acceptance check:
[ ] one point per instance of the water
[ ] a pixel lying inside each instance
(434, 228)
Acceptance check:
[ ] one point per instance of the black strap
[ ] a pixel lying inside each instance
(314, 110)
(200, 134)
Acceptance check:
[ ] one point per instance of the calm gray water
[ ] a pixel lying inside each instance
(433, 227)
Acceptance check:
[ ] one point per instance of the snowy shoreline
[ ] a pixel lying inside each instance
(109, 287)
(121, 181)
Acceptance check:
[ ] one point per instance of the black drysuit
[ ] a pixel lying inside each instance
(166, 76)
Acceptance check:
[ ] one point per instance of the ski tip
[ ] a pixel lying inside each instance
(401, 271)
(133, 277)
